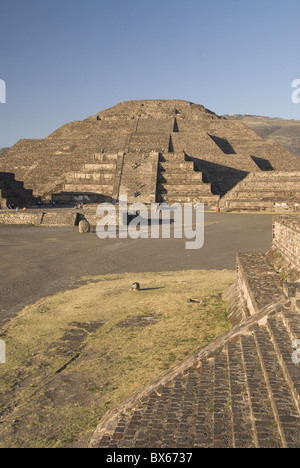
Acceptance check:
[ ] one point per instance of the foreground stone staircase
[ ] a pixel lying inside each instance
(242, 390)
(261, 191)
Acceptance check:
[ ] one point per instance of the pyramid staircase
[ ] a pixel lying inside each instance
(141, 179)
(178, 182)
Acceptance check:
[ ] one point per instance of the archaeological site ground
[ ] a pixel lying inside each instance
(205, 354)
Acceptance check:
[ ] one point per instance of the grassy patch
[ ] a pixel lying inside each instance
(75, 355)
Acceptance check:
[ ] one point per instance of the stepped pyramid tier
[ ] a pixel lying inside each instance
(272, 191)
(182, 152)
(243, 389)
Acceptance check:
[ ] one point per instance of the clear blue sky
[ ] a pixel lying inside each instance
(65, 60)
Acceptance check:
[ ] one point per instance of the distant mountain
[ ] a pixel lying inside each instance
(3, 150)
(284, 132)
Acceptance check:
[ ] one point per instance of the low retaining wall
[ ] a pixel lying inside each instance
(38, 218)
(20, 218)
(262, 279)
(61, 218)
(286, 237)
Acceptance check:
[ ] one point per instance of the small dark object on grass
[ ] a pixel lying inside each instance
(194, 301)
(135, 287)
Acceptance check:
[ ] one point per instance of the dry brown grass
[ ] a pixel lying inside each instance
(73, 356)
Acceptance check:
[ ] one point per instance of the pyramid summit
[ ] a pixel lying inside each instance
(172, 150)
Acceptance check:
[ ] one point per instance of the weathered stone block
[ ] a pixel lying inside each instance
(291, 290)
(84, 227)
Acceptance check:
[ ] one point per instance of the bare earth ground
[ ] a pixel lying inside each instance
(85, 342)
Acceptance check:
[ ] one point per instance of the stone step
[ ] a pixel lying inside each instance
(130, 191)
(246, 204)
(186, 166)
(282, 400)
(130, 173)
(212, 200)
(261, 184)
(143, 195)
(104, 157)
(88, 188)
(146, 142)
(146, 199)
(261, 410)
(278, 175)
(104, 176)
(180, 178)
(239, 400)
(98, 167)
(187, 189)
(283, 340)
(222, 408)
(204, 404)
(143, 179)
(172, 158)
(91, 182)
(272, 195)
(258, 205)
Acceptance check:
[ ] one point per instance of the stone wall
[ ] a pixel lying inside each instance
(20, 218)
(286, 237)
(62, 218)
(38, 218)
(262, 278)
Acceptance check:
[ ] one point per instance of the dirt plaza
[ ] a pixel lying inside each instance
(47, 260)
